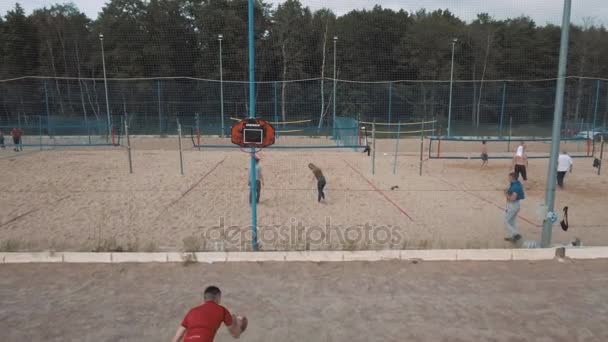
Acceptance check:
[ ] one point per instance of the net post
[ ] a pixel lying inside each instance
(596, 106)
(502, 107)
(397, 147)
(48, 112)
(113, 130)
(160, 114)
(390, 101)
(275, 105)
(374, 147)
(128, 144)
(179, 143)
(198, 132)
(421, 147)
(439, 143)
(88, 131)
(510, 133)
(599, 168)
(359, 129)
(40, 131)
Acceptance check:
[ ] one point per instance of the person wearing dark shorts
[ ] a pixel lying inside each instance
(520, 162)
(17, 133)
(520, 170)
(484, 154)
(318, 174)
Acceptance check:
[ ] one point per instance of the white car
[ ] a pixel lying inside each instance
(596, 135)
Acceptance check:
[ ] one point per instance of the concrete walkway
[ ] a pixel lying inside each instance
(552, 300)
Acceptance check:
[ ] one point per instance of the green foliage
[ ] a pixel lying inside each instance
(168, 38)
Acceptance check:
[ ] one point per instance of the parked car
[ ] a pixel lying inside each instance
(596, 135)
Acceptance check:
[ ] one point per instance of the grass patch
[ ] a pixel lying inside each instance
(192, 244)
(10, 245)
(108, 245)
(151, 247)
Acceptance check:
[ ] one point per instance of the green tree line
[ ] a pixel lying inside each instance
(179, 38)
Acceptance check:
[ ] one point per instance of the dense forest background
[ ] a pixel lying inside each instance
(390, 65)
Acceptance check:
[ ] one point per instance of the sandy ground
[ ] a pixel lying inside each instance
(85, 199)
(384, 301)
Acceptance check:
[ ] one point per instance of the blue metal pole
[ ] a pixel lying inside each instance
(390, 101)
(252, 168)
(502, 107)
(557, 123)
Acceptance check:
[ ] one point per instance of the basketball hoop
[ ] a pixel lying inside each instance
(252, 133)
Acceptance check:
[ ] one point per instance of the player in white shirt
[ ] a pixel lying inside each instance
(564, 164)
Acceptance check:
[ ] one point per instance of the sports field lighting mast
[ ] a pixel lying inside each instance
(220, 37)
(105, 83)
(334, 95)
(550, 219)
(454, 41)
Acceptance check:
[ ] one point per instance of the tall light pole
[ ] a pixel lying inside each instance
(557, 123)
(105, 83)
(220, 38)
(252, 164)
(334, 95)
(454, 41)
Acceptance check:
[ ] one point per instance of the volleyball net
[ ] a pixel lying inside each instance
(297, 134)
(503, 148)
(40, 131)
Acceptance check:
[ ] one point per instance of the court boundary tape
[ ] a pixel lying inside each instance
(184, 194)
(410, 255)
(20, 216)
(380, 192)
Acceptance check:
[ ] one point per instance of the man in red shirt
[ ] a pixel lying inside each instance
(202, 322)
(16, 133)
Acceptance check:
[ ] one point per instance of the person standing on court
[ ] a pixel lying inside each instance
(515, 194)
(2, 146)
(320, 178)
(17, 133)
(564, 164)
(520, 162)
(258, 183)
(202, 322)
(484, 153)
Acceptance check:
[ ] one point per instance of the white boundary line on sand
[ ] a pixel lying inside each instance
(309, 256)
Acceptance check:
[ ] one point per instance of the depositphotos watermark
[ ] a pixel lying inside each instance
(295, 233)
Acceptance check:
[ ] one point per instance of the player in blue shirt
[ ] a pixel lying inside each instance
(514, 194)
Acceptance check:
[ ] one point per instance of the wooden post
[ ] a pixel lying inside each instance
(128, 144)
(599, 168)
(179, 142)
(397, 147)
(421, 146)
(510, 133)
(374, 147)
